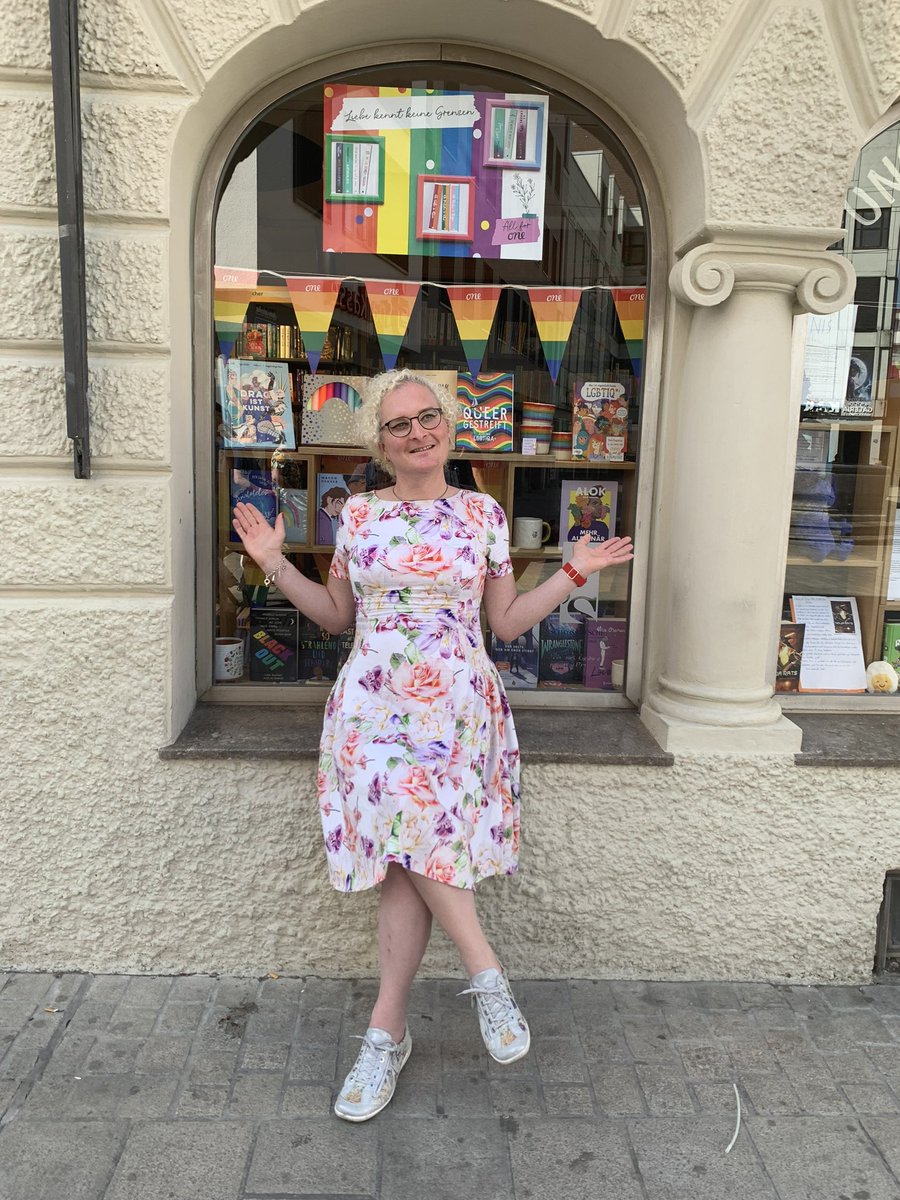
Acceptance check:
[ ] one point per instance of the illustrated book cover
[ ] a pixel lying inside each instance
(604, 644)
(585, 506)
(599, 422)
(255, 399)
(250, 482)
(318, 653)
(790, 657)
(272, 642)
(290, 478)
(890, 651)
(486, 412)
(517, 662)
(332, 493)
(561, 653)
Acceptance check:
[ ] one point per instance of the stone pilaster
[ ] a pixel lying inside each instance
(735, 428)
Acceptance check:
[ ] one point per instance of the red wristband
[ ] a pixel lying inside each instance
(574, 574)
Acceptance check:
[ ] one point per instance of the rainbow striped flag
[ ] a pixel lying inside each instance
(554, 314)
(473, 309)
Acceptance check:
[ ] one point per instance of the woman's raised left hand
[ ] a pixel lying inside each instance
(588, 557)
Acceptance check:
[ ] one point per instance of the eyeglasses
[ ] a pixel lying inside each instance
(428, 418)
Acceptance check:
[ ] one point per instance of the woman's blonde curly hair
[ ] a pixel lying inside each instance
(369, 416)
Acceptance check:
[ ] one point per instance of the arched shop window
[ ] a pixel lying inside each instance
(462, 222)
(842, 584)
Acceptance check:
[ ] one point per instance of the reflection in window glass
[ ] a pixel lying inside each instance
(842, 583)
(513, 246)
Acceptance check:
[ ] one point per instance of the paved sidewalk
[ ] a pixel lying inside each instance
(202, 1088)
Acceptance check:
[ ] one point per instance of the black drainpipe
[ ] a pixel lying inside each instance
(70, 206)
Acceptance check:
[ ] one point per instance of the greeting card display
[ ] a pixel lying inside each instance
(330, 404)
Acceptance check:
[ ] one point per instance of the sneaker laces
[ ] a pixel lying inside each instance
(370, 1064)
(496, 1004)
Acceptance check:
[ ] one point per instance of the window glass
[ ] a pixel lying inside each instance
(471, 225)
(842, 583)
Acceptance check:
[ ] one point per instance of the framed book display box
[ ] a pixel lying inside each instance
(513, 136)
(445, 207)
(354, 169)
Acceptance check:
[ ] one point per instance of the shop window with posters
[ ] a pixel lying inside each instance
(477, 229)
(840, 631)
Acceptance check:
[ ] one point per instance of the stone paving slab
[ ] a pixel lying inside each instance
(129, 1088)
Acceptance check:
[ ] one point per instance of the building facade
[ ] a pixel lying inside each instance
(736, 129)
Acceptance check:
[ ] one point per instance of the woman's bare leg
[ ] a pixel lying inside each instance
(404, 927)
(454, 910)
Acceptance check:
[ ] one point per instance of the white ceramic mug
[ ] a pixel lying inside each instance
(229, 658)
(617, 673)
(529, 533)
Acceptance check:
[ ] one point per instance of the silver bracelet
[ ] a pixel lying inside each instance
(271, 576)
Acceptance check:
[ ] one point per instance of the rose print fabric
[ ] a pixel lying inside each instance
(419, 763)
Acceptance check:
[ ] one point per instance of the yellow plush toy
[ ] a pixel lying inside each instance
(881, 678)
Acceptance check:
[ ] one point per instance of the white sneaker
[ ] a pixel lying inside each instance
(371, 1082)
(504, 1029)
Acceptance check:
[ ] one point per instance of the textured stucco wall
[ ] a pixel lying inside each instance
(113, 860)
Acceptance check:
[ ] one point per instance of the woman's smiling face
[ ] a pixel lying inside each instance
(421, 450)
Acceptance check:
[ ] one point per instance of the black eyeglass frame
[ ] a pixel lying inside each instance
(432, 408)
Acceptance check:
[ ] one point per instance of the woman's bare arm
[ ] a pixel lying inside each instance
(330, 606)
(510, 613)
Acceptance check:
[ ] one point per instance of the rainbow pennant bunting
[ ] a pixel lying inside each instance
(392, 305)
(313, 301)
(473, 309)
(554, 314)
(232, 295)
(630, 304)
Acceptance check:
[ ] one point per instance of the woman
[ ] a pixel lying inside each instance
(419, 771)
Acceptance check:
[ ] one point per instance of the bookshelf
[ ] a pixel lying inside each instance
(859, 459)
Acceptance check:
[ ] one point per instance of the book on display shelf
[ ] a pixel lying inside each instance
(890, 650)
(561, 653)
(790, 657)
(599, 422)
(486, 414)
(250, 482)
(318, 650)
(272, 643)
(290, 477)
(255, 398)
(517, 661)
(332, 494)
(585, 506)
(604, 644)
(293, 504)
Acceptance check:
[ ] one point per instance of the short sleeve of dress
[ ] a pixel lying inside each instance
(497, 540)
(339, 560)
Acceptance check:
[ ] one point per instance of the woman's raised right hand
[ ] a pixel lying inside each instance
(261, 541)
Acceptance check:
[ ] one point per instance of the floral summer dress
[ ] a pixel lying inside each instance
(419, 763)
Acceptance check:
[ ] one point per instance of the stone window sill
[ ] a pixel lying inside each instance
(848, 739)
(611, 737)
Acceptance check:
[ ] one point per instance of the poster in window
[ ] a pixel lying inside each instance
(461, 174)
